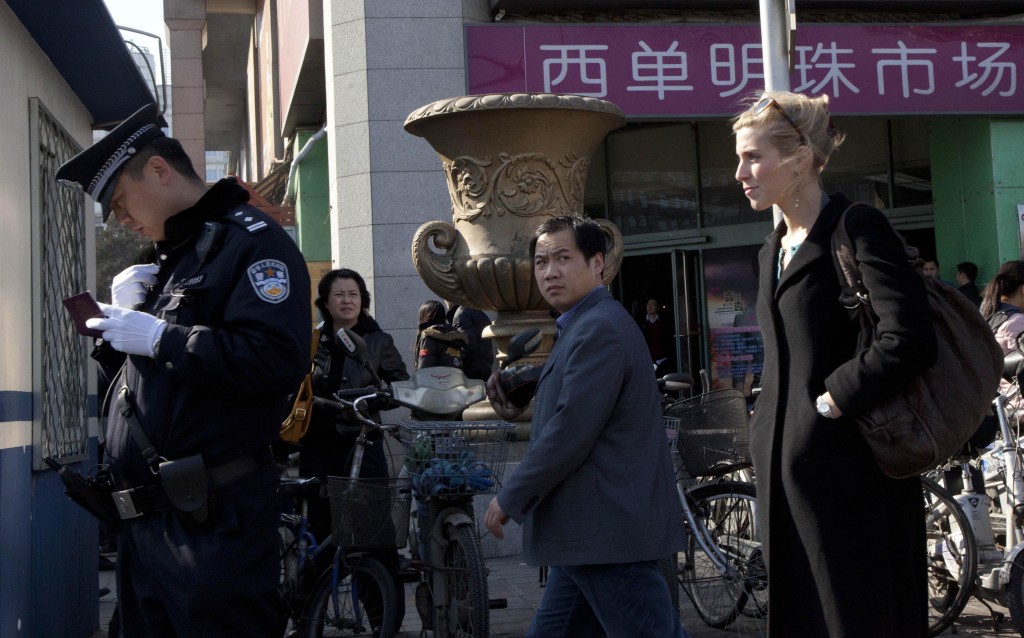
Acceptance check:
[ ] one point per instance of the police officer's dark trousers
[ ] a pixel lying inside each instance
(220, 581)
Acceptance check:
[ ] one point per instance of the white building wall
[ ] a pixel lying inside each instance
(26, 73)
(384, 59)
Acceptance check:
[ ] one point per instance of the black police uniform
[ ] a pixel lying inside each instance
(236, 343)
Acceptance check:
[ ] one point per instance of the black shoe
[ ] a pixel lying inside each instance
(106, 564)
(104, 591)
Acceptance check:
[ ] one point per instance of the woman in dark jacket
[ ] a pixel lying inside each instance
(844, 544)
(344, 302)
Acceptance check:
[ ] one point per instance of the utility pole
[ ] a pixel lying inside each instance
(778, 27)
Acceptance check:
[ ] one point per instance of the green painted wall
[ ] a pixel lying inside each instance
(312, 200)
(977, 180)
(1008, 164)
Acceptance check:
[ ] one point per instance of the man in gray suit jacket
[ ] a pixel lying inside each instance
(595, 493)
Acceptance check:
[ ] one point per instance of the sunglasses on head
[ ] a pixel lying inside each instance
(765, 102)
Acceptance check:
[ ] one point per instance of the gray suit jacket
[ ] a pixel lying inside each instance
(597, 484)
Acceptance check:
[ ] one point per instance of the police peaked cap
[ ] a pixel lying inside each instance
(94, 171)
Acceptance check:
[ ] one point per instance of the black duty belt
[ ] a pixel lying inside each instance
(148, 499)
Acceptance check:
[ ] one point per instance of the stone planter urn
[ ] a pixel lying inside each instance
(511, 160)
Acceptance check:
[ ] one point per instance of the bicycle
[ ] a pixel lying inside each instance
(449, 464)
(969, 551)
(355, 595)
(723, 572)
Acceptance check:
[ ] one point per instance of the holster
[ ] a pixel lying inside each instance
(186, 483)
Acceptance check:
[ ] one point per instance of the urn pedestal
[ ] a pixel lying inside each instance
(511, 160)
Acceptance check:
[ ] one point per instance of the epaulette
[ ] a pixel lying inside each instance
(252, 220)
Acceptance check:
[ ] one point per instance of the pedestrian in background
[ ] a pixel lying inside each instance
(656, 334)
(930, 268)
(966, 278)
(1003, 307)
(204, 339)
(479, 353)
(596, 444)
(438, 342)
(343, 301)
(817, 481)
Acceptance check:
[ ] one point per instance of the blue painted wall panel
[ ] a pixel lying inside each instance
(48, 566)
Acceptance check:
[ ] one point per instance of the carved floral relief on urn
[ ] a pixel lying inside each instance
(511, 160)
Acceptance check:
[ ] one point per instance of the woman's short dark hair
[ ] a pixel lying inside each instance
(432, 312)
(590, 238)
(323, 289)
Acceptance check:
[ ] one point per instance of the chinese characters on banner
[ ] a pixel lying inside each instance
(660, 70)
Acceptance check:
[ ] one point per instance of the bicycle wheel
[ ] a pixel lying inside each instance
(726, 520)
(362, 604)
(287, 583)
(952, 557)
(465, 612)
(1015, 594)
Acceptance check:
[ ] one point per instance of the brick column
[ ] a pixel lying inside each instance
(186, 20)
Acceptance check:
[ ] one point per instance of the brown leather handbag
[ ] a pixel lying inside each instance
(297, 422)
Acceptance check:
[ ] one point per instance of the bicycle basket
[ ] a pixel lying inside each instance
(369, 512)
(713, 437)
(455, 457)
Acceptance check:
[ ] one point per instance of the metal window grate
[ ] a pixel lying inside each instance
(60, 271)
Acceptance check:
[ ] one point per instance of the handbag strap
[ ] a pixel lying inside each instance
(312, 348)
(853, 294)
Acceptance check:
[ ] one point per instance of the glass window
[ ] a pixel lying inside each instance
(722, 198)
(912, 170)
(653, 178)
(860, 167)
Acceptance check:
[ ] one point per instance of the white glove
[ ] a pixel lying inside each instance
(130, 286)
(129, 331)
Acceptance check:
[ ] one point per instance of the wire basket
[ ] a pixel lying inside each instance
(455, 457)
(369, 512)
(712, 432)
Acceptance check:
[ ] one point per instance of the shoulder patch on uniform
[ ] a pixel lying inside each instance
(248, 219)
(269, 277)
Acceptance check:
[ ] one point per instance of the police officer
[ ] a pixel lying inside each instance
(204, 340)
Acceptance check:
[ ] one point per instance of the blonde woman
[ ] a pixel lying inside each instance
(844, 544)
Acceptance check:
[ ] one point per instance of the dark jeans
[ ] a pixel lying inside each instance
(629, 600)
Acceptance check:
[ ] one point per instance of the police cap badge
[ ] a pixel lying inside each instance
(94, 171)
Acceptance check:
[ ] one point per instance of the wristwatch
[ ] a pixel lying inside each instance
(824, 409)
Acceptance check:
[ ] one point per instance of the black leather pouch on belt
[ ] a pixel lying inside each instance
(187, 485)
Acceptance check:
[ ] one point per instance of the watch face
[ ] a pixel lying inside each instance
(824, 409)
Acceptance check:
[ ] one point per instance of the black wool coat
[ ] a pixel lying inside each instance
(844, 544)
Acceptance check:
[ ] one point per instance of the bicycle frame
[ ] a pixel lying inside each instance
(1011, 500)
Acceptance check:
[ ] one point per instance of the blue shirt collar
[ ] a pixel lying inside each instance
(564, 318)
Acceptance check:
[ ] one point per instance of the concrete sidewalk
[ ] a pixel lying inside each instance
(518, 583)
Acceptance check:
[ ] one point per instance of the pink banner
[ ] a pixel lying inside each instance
(682, 70)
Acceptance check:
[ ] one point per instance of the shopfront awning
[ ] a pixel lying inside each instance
(83, 43)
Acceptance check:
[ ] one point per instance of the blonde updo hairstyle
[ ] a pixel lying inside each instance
(809, 114)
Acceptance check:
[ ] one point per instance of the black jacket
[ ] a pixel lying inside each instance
(440, 345)
(816, 478)
(236, 343)
(479, 353)
(333, 370)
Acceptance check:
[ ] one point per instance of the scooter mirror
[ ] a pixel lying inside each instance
(522, 345)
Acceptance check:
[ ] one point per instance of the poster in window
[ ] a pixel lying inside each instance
(736, 349)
